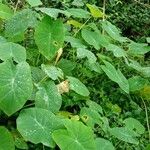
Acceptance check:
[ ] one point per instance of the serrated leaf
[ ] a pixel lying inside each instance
(6, 139)
(136, 83)
(82, 53)
(5, 11)
(124, 134)
(95, 11)
(11, 50)
(34, 3)
(134, 125)
(77, 86)
(76, 137)
(53, 72)
(48, 97)
(36, 125)
(49, 37)
(113, 31)
(103, 144)
(116, 76)
(15, 86)
(18, 24)
(78, 13)
(117, 51)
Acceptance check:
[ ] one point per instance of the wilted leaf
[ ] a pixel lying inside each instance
(63, 87)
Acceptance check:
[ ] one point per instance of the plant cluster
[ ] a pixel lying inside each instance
(69, 80)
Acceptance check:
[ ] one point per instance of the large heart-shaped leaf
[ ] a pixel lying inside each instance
(6, 139)
(36, 125)
(49, 37)
(11, 50)
(15, 86)
(48, 97)
(15, 27)
(76, 137)
(77, 86)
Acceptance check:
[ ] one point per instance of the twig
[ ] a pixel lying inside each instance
(15, 9)
(146, 5)
(147, 120)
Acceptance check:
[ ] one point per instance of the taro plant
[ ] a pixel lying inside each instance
(70, 80)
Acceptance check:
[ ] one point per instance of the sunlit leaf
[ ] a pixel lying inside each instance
(34, 3)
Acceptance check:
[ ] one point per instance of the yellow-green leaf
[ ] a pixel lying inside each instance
(74, 23)
(95, 11)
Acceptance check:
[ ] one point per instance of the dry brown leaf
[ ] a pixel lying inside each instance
(63, 87)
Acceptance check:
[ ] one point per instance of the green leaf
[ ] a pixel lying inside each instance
(112, 31)
(76, 43)
(5, 11)
(77, 86)
(116, 76)
(36, 125)
(147, 147)
(53, 72)
(76, 137)
(15, 86)
(134, 125)
(102, 144)
(117, 51)
(34, 3)
(91, 38)
(78, 13)
(6, 139)
(95, 11)
(124, 134)
(2, 40)
(11, 50)
(75, 23)
(136, 83)
(82, 53)
(136, 49)
(49, 37)
(48, 97)
(18, 24)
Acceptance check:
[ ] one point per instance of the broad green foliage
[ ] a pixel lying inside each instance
(18, 24)
(77, 86)
(34, 3)
(5, 12)
(15, 86)
(11, 50)
(76, 136)
(116, 76)
(6, 139)
(102, 144)
(69, 80)
(48, 97)
(36, 125)
(49, 37)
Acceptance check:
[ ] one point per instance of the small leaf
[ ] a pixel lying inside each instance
(76, 137)
(117, 51)
(77, 86)
(75, 23)
(102, 144)
(49, 37)
(6, 139)
(134, 125)
(116, 76)
(34, 3)
(36, 125)
(78, 13)
(82, 53)
(124, 134)
(113, 31)
(48, 97)
(15, 86)
(5, 11)
(95, 11)
(136, 83)
(11, 50)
